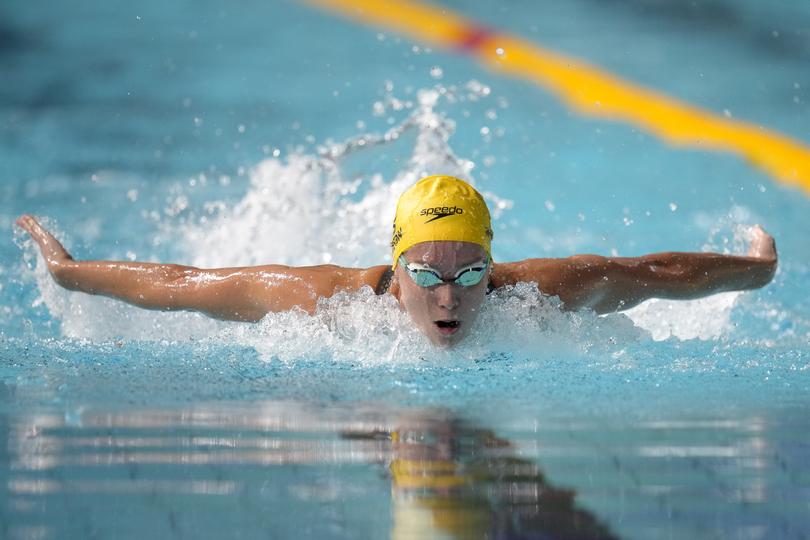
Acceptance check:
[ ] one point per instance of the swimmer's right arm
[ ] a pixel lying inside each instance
(239, 294)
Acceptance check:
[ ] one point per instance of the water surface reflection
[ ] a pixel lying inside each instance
(282, 469)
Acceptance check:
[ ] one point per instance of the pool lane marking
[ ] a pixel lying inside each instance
(587, 89)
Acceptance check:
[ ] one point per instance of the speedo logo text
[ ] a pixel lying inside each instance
(440, 212)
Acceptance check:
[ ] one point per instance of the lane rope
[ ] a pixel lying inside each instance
(588, 89)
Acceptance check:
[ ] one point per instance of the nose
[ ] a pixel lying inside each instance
(446, 296)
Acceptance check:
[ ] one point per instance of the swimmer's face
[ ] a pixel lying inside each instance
(444, 312)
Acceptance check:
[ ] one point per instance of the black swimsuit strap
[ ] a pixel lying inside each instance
(385, 282)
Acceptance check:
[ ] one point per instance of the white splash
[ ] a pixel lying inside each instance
(306, 209)
(363, 328)
(706, 318)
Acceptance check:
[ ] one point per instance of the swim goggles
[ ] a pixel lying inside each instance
(425, 276)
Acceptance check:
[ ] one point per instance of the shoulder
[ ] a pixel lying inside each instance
(528, 270)
(552, 275)
(328, 276)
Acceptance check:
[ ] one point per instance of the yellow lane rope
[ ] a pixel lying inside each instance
(588, 89)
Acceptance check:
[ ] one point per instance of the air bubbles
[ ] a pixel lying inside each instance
(673, 206)
(477, 90)
(436, 72)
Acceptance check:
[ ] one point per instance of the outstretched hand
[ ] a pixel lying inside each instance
(762, 244)
(53, 251)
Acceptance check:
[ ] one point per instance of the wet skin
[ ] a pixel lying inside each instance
(445, 312)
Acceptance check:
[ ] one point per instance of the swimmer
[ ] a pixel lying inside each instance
(440, 272)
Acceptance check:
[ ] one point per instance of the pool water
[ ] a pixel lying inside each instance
(234, 134)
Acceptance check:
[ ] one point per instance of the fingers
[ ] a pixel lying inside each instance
(32, 227)
(51, 248)
(762, 244)
(26, 222)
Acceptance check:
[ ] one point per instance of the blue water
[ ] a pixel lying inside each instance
(216, 133)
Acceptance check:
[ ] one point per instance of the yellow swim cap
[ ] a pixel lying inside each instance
(440, 208)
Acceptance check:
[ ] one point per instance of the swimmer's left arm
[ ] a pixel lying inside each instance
(609, 284)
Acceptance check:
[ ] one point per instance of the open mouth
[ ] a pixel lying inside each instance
(448, 327)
